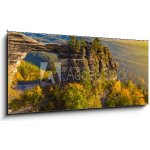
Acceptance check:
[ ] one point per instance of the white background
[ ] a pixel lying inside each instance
(118, 129)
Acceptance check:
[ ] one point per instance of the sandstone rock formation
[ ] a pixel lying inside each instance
(71, 62)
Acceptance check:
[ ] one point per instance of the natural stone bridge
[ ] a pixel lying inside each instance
(18, 47)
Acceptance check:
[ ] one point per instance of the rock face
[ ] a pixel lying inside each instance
(72, 63)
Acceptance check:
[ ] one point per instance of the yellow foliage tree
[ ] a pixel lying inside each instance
(138, 98)
(116, 87)
(32, 97)
(124, 98)
(76, 97)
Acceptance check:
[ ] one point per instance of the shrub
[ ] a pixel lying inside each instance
(75, 96)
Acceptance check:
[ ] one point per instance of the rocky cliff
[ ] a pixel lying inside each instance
(72, 63)
(88, 60)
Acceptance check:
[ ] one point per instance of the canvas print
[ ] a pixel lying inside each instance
(50, 72)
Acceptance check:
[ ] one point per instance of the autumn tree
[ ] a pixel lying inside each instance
(138, 98)
(125, 95)
(31, 98)
(124, 98)
(96, 44)
(116, 88)
(83, 43)
(29, 71)
(75, 96)
(74, 44)
(130, 85)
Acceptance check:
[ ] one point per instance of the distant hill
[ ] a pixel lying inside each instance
(53, 38)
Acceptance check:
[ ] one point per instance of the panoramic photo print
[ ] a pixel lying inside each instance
(50, 72)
